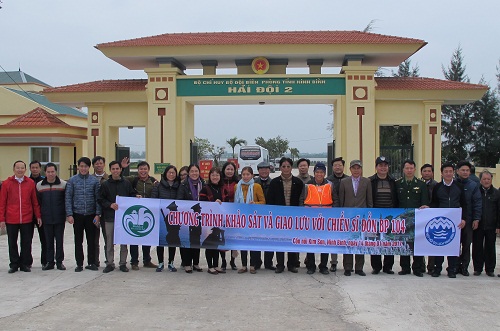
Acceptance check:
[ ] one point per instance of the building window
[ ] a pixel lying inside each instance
(45, 155)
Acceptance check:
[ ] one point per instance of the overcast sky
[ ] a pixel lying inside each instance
(54, 42)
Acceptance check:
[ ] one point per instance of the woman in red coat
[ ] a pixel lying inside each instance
(18, 203)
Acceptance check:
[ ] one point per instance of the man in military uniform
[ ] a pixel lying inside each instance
(412, 193)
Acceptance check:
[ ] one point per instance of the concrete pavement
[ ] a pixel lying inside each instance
(145, 299)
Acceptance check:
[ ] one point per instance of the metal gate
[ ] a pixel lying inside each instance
(397, 155)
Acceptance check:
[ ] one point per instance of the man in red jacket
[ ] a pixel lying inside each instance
(18, 203)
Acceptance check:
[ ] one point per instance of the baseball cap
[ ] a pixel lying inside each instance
(356, 162)
(381, 159)
(320, 166)
(263, 165)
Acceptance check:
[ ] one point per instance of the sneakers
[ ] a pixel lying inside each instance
(160, 267)
(135, 267)
(123, 268)
(108, 268)
(171, 267)
(150, 264)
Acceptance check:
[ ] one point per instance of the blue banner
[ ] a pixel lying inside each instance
(385, 231)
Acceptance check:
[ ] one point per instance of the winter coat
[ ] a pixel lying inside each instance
(81, 195)
(165, 191)
(51, 197)
(18, 201)
(490, 218)
(108, 192)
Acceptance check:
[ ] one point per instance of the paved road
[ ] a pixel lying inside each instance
(145, 299)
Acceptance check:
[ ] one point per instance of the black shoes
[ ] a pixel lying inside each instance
(418, 274)
(477, 273)
(465, 272)
(452, 275)
(12, 270)
(404, 272)
(375, 272)
(108, 268)
(61, 266)
(270, 267)
(232, 264)
(48, 266)
(490, 273)
(324, 271)
(293, 269)
(123, 268)
(347, 272)
(279, 270)
(360, 272)
(310, 271)
(25, 268)
(389, 272)
(333, 268)
(92, 267)
(435, 274)
(78, 268)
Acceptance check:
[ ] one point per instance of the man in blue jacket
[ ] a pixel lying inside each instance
(474, 211)
(83, 211)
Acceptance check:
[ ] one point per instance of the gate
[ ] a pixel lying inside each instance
(397, 155)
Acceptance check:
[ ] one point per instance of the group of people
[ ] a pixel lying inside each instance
(88, 202)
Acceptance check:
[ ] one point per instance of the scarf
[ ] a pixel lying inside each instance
(238, 195)
(194, 186)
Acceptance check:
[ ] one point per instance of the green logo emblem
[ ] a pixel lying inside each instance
(138, 221)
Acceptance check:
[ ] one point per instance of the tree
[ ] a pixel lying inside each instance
(405, 70)
(216, 153)
(233, 142)
(486, 144)
(457, 124)
(276, 146)
(294, 153)
(203, 147)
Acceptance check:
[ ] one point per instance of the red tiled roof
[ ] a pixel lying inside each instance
(257, 38)
(103, 86)
(422, 83)
(37, 117)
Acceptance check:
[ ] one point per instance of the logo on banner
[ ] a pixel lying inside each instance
(138, 221)
(440, 231)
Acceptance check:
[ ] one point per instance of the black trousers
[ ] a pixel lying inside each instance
(24, 258)
(452, 264)
(84, 224)
(484, 250)
(160, 252)
(311, 261)
(254, 258)
(376, 262)
(190, 256)
(212, 256)
(54, 231)
(417, 266)
(43, 242)
(291, 262)
(465, 242)
(134, 254)
(268, 259)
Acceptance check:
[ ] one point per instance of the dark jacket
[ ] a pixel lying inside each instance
(336, 181)
(490, 217)
(52, 201)
(392, 183)
(184, 192)
(165, 191)
(413, 194)
(211, 193)
(108, 192)
(473, 199)
(276, 196)
(264, 183)
(449, 197)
